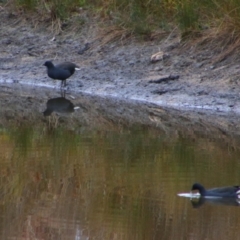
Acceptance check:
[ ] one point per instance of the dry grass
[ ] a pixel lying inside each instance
(109, 34)
(223, 43)
(215, 23)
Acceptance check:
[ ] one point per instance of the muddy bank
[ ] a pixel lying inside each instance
(121, 68)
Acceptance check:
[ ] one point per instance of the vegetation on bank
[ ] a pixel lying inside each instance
(141, 16)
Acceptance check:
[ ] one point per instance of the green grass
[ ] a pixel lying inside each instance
(145, 16)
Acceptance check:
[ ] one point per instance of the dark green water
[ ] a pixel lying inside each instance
(112, 185)
(115, 180)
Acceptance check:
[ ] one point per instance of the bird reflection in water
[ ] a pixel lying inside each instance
(198, 202)
(61, 106)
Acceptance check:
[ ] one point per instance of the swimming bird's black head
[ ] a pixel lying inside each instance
(199, 187)
(48, 64)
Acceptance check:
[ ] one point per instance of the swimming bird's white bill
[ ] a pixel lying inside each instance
(189, 195)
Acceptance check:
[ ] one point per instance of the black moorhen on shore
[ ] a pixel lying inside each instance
(61, 71)
(230, 192)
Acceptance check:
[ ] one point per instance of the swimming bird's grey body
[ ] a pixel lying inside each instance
(61, 71)
(232, 191)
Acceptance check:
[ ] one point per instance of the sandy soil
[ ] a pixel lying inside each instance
(122, 68)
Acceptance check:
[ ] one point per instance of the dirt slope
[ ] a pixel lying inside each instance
(122, 68)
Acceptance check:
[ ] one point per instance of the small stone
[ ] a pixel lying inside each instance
(198, 65)
(6, 41)
(158, 69)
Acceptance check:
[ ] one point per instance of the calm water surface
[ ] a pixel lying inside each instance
(114, 183)
(120, 184)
